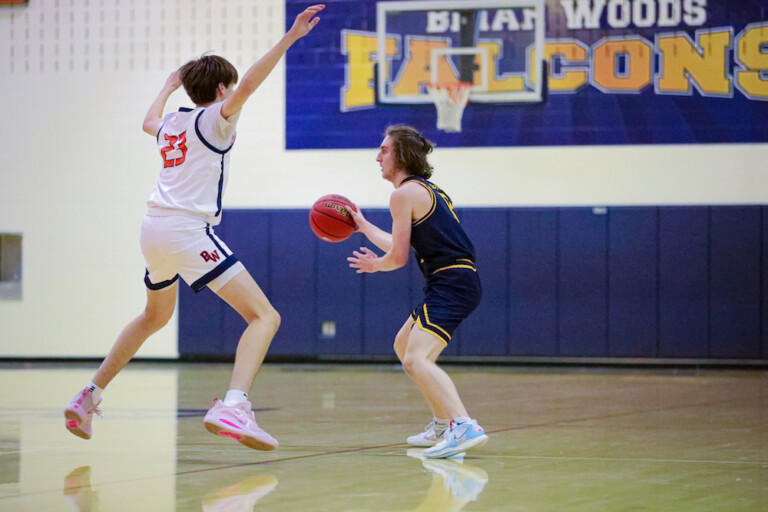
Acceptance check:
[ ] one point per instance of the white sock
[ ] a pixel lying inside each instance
(234, 397)
(461, 419)
(95, 391)
(442, 422)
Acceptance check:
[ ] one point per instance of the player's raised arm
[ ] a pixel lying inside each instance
(154, 118)
(259, 71)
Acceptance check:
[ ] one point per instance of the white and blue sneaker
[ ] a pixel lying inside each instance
(432, 434)
(460, 437)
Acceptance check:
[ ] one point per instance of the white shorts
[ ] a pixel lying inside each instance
(186, 246)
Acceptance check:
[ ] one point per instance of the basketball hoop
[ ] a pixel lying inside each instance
(449, 98)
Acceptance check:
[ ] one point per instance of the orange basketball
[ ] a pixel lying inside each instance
(330, 220)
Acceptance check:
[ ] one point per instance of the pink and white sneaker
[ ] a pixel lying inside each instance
(79, 413)
(239, 423)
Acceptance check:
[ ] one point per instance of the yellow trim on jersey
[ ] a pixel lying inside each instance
(470, 267)
(450, 206)
(426, 317)
(434, 203)
(433, 333)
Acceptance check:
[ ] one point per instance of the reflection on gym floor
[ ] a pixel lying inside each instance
(454, 484)
(560, 439)
(77, 487)
(239, 496)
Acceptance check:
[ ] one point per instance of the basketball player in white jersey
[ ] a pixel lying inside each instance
(177, 237)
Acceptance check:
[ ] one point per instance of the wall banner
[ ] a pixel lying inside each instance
(536, 72)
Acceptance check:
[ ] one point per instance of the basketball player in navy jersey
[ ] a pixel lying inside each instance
(423, 218)
(177, 237)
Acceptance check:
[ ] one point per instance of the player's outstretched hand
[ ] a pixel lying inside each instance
(362, 260)
(305, 22)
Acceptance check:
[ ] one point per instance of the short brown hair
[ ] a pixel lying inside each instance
(201, 77)
(410, 150)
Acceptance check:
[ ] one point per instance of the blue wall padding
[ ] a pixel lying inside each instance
(683, 282)
(632, 291)
(583, 275)
(338, 298)
(639, 282)
(293, 281)
(201, 324)
(764, 281)
(735, 282)
(533, 285)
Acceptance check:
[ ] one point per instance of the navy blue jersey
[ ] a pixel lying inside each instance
(437, 238)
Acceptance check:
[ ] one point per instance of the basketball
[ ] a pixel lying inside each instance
(330, 220)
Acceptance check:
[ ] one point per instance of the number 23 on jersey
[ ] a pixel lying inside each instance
(175, 145)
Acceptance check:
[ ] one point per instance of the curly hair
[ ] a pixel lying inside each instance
(201, 77)
(410, 150)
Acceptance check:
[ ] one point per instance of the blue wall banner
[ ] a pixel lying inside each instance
(616, 72)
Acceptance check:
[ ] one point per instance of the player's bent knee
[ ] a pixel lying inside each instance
(156, 320)
(269, 318)
(275, 319)
(411, 364)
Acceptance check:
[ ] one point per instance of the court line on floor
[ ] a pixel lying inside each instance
(295, 457)
(393, 445)
(617, 459)
(603, 416)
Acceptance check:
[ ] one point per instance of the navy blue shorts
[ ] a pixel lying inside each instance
(450, 296)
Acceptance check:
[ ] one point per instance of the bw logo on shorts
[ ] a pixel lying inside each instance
(214, 256)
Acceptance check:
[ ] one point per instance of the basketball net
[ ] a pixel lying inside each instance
(450, 100)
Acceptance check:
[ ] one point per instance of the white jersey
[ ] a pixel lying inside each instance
(194, 145)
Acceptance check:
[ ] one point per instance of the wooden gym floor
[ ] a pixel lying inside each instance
(561, 439)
